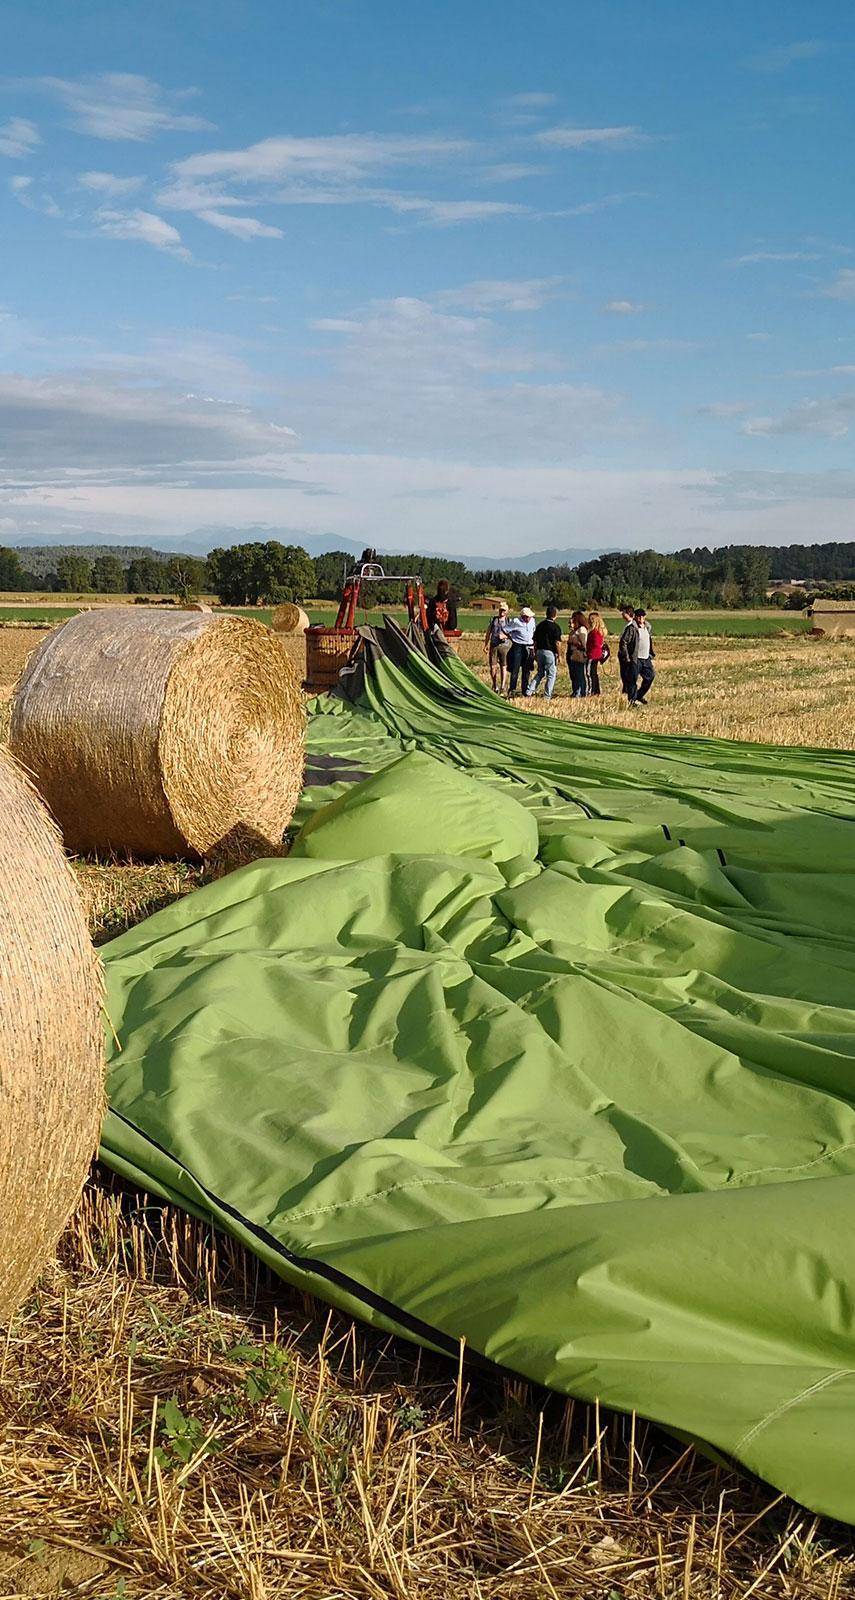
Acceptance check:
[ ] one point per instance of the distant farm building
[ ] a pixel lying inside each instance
(834, 616)
(487, 602)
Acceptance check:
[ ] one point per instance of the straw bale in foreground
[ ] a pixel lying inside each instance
(289, 618)
(159, 733)
(51, 1043)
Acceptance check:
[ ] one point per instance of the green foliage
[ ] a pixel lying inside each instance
(261, 574)
(145, 575)
(267, 1377)
(74, 574)
(183, 1437)
(11, 571)
(108, 575)
(186, 576)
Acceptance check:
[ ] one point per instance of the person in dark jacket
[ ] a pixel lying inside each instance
(442, 608)
(646, 671)
(627, 654)
(547, 637)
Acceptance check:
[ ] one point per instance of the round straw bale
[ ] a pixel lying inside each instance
(155, 733)
(197, 605)
(289, 618)
(51, 1039)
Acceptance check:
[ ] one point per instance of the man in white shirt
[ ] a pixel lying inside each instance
(645, 654)
(520, 631)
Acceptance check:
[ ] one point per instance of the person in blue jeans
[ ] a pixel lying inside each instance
(646, 653)
(547, 637)
(520, 631)
(577, 655)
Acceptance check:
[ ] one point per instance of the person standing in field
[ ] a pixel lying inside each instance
(442, 608)
(498, 644)
(520, 631)
(597, 650)
(644, 660)
(628, 653)
(577, 655)
(547, 637)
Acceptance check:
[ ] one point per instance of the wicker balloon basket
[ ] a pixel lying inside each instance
(327, 651)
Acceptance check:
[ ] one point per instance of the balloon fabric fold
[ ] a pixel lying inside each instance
(542, 1037)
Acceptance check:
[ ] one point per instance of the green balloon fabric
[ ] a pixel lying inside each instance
(543, 1038)
(418, 806)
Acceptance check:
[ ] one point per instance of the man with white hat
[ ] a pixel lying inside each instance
(520, 631)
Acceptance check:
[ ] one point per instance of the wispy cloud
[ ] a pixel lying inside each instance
(623, 308)
(342, 156)
(782, 56)
(20, 185)
(203, 198)
(827, 419)
(775, 255)
(502, 294)
(18, 138)
(144, 226)
(510, 172)
(591, 138)
(240, 227)
(108, 183)
(123, 105)
(843, 287)
(533, 101)
(723, 409)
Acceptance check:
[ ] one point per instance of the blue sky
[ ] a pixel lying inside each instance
(480, 277)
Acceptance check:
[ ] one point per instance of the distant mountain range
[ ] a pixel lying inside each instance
(40, 554)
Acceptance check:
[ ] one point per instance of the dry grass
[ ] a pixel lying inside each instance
(178, 1424)
(794, 691)
(174, 1422)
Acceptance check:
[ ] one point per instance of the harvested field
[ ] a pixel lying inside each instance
(176, 1423)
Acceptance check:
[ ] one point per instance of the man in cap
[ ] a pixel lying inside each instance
(520, 631)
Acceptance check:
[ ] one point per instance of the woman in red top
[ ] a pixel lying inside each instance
(596, 641)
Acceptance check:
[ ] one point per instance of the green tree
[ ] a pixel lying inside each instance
(253, 574)
(145, 575)
(751, 570)
(108, 576)
(74, 574)
(12, 574)
(185, 576)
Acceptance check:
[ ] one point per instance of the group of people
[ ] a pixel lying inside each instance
(524, 653)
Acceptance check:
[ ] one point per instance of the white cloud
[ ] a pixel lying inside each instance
(145, 226)
(123, 105)
(510, 172)
(723, 409)
(446, 213)
(623, 308)
(418, 377)
(60, 424)
(501, 294)
(827, 419)
(530, 102)
(108, 183)
(18, 138)
(776, 255)
(339, 156)
(843, 287)
(781, 56)
(640, 346)
(20, 185)
(588, 208)
(240, 227)
(590, 138)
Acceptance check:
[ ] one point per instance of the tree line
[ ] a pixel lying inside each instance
(268, 572)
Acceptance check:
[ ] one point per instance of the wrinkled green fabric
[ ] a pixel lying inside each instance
(583, 1095)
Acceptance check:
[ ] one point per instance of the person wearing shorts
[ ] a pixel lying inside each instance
(498, 644)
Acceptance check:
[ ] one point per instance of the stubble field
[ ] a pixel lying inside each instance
(174, 1422)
